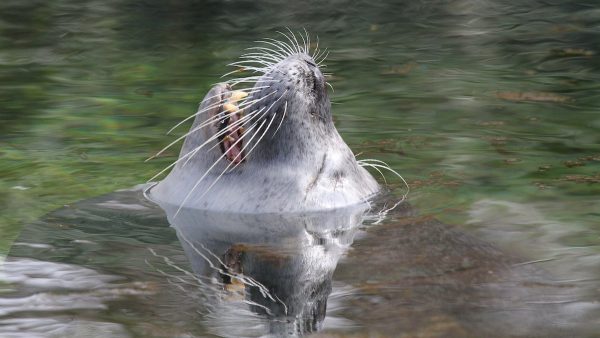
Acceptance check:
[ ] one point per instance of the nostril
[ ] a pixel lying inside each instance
(310, 63)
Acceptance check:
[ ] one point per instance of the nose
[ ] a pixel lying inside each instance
(310, 63)
(313, 68)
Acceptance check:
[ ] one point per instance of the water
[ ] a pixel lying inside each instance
(488, 108)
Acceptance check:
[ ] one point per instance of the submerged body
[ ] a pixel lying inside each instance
(275, 150)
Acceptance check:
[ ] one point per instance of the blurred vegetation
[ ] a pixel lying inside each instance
(467, 99)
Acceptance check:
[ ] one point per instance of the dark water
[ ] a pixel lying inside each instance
(489, 109)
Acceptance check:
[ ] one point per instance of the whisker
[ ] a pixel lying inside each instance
(246, 119)
(244, 62)
(268, 51)
(247, 280)
(283, 45)
(282, 118)
(330, 86)
(168, 167)
(236, 157)
(204, 124)
(238, 128)
(290, 45)
(239, 70)
(247, 103)
(385, 166)
(293, 46)
(212, 106)
(363, 164)
(195, 150)
(322, 55)
(307, 48)
(280, 45)
(303, 43)
(268, 58)
(317, 53)
(218, 118)
(253, 77)
(297, 44)
(381, 164)
(205, 174)
(215, 105)
(280, 97)
(235, 82)
(264, 52)
(242, 122)
(257, 142)
(316, 50)
(326, 54)
(253, 69)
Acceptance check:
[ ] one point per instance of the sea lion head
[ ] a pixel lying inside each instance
(285, 114)
(272, 142)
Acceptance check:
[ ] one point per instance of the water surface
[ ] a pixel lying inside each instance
(489, 109)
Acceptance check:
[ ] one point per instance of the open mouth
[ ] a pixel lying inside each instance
(231, 132)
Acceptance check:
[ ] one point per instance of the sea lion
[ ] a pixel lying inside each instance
(272, 147)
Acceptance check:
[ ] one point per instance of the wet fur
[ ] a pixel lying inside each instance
(299, 162)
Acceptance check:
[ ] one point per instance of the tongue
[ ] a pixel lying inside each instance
(233, 152)
(233, 147)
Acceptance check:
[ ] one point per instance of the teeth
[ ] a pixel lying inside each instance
(241, 129)
(228, 138)
(237, 95)
(230, 107)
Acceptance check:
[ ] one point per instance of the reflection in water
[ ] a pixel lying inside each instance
(275, 265)
(114, 264)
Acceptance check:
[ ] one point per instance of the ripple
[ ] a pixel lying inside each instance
(52, 289)
(58, 327)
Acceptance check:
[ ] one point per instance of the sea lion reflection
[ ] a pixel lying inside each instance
(277, 266)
